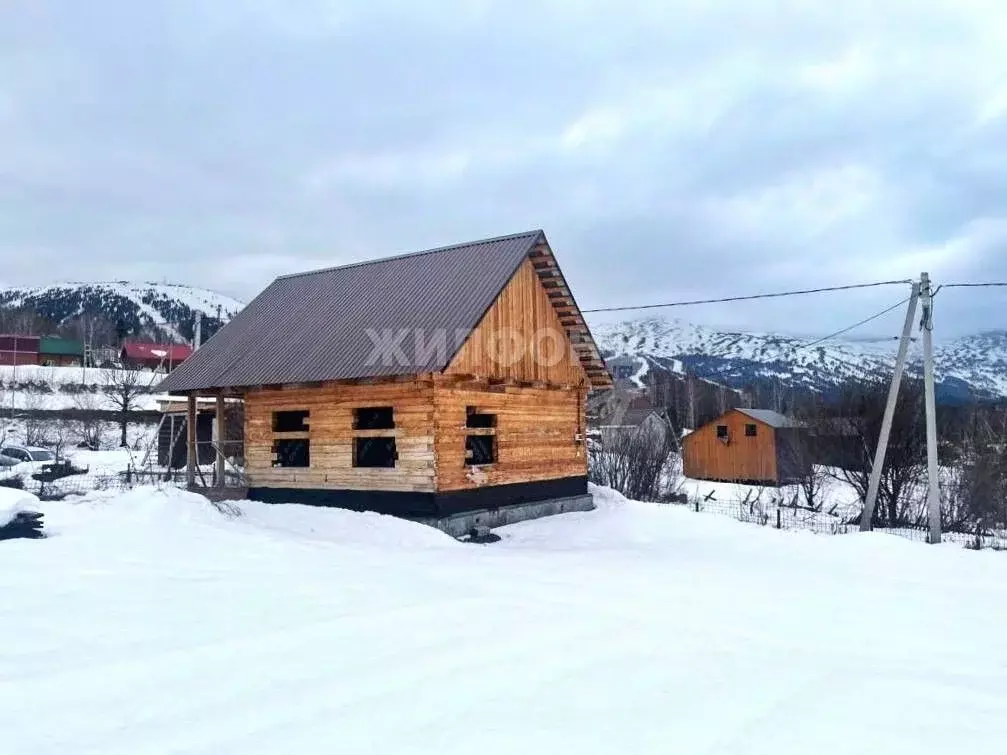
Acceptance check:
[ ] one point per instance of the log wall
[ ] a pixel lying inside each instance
(331, 436)
(520, 337)
(537, 433)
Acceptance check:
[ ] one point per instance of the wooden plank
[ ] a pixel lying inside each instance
(221, 436)
(190, 441)
(519, 337)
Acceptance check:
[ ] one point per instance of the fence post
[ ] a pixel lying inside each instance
(697, 505)
(129, 474)
(779, 524)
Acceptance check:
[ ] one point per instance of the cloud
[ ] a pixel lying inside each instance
(670, 150)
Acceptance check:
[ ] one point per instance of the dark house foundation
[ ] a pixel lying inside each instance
(455, 512)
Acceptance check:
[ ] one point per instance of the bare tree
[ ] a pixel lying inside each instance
(801, 456)
(36, 429)
(58, 434)
(975, 476)
(861, 406)
(124, 389)
(638, 462)
(89, 426)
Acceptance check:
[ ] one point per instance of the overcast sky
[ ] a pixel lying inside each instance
(669, 149)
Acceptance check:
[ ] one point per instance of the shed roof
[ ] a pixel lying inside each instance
(324, 325)
(771, 418)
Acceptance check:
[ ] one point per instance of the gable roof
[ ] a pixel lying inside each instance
(324, 325)
(771, 418)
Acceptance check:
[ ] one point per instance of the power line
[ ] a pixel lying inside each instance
(994, 284)
(752, 296)
(855, 325)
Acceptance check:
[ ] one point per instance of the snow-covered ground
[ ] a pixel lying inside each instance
(151, 623)
(837, 501)
(68, 388)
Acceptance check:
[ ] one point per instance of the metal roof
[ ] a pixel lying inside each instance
(324, 325)
(60, 346)
(771, 418)
(169, 352)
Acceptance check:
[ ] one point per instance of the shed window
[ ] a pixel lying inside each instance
(374, 452)
(751, 431)
(374, 418)
(291, 421)
(722, 432)
(291, 453)
(481, 443)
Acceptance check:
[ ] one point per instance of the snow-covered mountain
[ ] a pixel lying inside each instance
(121, 309)
(971, 366)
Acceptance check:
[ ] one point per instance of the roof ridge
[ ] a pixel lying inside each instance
(362, 263)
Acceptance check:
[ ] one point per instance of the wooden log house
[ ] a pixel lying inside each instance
(424, 385)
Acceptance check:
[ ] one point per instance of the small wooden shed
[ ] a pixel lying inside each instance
(753, 446)
(423, 385)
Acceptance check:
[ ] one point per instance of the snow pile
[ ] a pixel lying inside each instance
(154, 623)
(13, 502)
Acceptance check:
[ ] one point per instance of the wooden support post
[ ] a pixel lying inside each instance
(221, 435)
(190, 442)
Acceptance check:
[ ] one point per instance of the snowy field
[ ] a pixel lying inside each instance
(68, 388)
(150, 623)
(838, 502)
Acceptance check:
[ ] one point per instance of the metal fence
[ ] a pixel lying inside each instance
(786, 517)
(72, 486)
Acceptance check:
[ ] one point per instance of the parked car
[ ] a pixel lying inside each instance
(40, 459)
(8, 461)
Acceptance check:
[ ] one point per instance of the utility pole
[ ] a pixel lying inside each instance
(933, 483)
(867, 518)
(198, 335)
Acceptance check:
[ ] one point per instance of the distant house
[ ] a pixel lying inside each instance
(445, 385)
(756, 446)
(154, 356)
(60, 352)
(15, 349)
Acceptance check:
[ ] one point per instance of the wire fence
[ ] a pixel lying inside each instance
(79, 485)
(795, 517)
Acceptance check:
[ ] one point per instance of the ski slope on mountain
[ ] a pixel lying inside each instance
(192, 296)
(975, 363)
(162, 309)
(150, 623)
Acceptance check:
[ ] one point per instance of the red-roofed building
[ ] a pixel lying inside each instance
(19, 349)
(154, 356)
